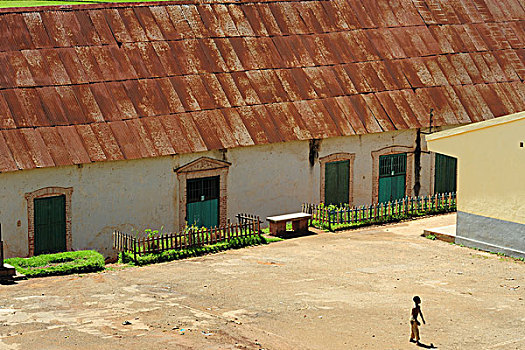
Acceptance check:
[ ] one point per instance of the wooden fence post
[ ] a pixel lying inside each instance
(1, 249)
(135, 250)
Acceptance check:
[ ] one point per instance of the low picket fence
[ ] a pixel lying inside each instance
(247, 218)
(189, 238)
(331, 216)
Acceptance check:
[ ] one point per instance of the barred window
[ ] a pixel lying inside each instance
(393, 164)
(202, 189)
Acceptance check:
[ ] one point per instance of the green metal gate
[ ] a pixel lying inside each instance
(336, 182)
(202, 208)
(392, 177)
(50, 225)
(446, 176)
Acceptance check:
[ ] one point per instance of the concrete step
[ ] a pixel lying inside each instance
(8, 274)
(443, 233)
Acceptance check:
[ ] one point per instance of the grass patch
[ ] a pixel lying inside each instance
(267, 229)
(59, 264)
(431, 237)
(169, 255)
(274, 239)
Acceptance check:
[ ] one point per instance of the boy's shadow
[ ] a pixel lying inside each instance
(422, 345)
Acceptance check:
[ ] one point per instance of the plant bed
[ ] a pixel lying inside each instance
(59, 264)
(177, 254)
(336, 218)
(389, 219)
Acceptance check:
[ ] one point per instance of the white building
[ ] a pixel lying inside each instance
(128, 117)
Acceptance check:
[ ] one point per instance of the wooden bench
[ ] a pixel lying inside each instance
(278, 223)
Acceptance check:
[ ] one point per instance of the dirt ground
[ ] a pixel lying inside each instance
(348, 290)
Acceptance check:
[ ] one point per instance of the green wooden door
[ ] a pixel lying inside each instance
(336, 182)
(446, 175)
(392, 177)
(202, 208)
(50, 225)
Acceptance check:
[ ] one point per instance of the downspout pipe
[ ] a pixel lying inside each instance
(417, 164)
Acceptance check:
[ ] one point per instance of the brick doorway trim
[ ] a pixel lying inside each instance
(375, 168)
(335, 157)
(42, 193)
(432, 188)
(203, 167)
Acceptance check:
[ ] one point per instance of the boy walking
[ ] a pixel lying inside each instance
(414, 323)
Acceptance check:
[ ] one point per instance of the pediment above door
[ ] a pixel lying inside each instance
(202, 164)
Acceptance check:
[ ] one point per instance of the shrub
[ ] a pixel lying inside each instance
(59, 264)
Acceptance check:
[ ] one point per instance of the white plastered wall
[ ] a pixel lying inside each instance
(134, 195)
(271, 179)
(363, 146)
(106, 196)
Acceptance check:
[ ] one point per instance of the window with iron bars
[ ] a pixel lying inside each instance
(392, 164)
(202, 189)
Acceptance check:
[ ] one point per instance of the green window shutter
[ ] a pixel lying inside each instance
(385, 189)
(398, 186)
(50, 224)
(337, 182)
(343, 181)
(445, 174)
(203, 214)
(202, 207)
(392, 177)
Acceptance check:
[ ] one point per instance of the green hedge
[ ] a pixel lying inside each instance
(59, 264)
(169, 255)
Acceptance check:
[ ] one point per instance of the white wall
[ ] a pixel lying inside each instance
(121, 195)
(134, 195)
(271, 179)
(363, 146)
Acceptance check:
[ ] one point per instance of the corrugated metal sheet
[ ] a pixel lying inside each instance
(126, 81)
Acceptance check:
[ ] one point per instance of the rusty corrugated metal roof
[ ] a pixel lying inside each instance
(91, 83)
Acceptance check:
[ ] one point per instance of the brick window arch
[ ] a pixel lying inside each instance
(43, 193)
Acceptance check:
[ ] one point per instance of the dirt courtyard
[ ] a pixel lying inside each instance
(348, 290)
